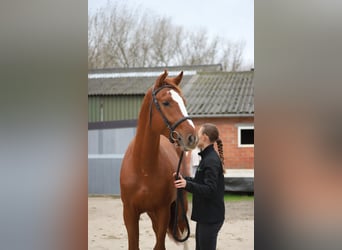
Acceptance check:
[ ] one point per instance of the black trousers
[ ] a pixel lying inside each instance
(206, 235)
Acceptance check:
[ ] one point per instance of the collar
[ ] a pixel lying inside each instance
(206, 150)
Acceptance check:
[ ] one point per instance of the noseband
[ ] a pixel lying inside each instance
(174, 135)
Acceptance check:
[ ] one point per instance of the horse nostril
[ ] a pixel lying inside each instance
(191, 139)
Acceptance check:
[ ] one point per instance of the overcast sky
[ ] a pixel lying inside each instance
(232, 19)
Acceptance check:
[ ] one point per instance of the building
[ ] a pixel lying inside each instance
(114, 98)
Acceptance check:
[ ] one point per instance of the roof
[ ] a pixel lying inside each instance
(123, 85)
(136, 81)
(208, 90)
(220, 94)
(199, 68)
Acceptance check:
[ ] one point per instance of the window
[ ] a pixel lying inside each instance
(246, 136)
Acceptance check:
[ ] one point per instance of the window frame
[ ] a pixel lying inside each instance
(244, 127)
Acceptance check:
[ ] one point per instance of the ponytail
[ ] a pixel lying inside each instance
(220, 150)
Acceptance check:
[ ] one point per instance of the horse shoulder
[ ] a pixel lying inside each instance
(168, 154)
(127, 174)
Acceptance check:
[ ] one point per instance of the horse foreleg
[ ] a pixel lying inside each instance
(160, 220)
(131, 218)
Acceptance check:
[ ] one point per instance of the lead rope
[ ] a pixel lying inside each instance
(180, 200)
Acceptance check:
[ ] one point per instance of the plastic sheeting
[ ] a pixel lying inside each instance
(239, 184)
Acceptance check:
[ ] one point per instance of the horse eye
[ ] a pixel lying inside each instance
(166, 103)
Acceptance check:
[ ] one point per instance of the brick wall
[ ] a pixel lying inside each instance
(234, 157)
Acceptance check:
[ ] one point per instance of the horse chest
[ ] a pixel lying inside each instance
(147, 194)
(148, 185)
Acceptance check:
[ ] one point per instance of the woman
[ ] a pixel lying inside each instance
(207, 187)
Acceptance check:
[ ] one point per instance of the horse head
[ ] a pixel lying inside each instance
(172, 118)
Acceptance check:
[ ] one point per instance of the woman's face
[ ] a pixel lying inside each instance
(201, 138)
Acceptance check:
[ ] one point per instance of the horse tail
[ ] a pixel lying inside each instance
(179, 225)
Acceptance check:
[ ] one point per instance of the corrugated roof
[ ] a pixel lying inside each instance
(210, 92)
(136, 81)
(198, 68)
(220, 94)
(123, 85)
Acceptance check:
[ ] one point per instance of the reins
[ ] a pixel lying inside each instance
(180, 200)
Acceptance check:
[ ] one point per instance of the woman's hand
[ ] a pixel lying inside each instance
(180, 183)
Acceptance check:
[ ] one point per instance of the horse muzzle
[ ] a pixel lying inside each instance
(187, 142)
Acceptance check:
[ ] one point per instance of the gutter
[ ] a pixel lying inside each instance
(220, 116)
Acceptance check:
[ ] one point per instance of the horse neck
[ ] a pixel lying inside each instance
(146, 146)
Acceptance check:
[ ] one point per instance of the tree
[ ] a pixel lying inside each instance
(119, 36)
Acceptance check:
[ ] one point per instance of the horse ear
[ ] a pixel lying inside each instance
(178, 78)
(160, 79)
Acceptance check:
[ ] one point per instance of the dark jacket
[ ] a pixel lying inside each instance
(207, 188)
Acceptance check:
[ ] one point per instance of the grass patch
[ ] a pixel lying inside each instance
(232, 197)
(103, 196)
(238, 197)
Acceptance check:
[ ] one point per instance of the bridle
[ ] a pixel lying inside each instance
(174, 135)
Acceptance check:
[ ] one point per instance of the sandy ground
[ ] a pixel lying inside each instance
(106, 229)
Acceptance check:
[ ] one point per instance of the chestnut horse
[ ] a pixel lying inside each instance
(146, 178)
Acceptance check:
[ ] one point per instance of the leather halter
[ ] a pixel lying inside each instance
(174, 135)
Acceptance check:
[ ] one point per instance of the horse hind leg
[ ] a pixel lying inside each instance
(155, 229)
(186, 245)
(160, 219)
(131, 219)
